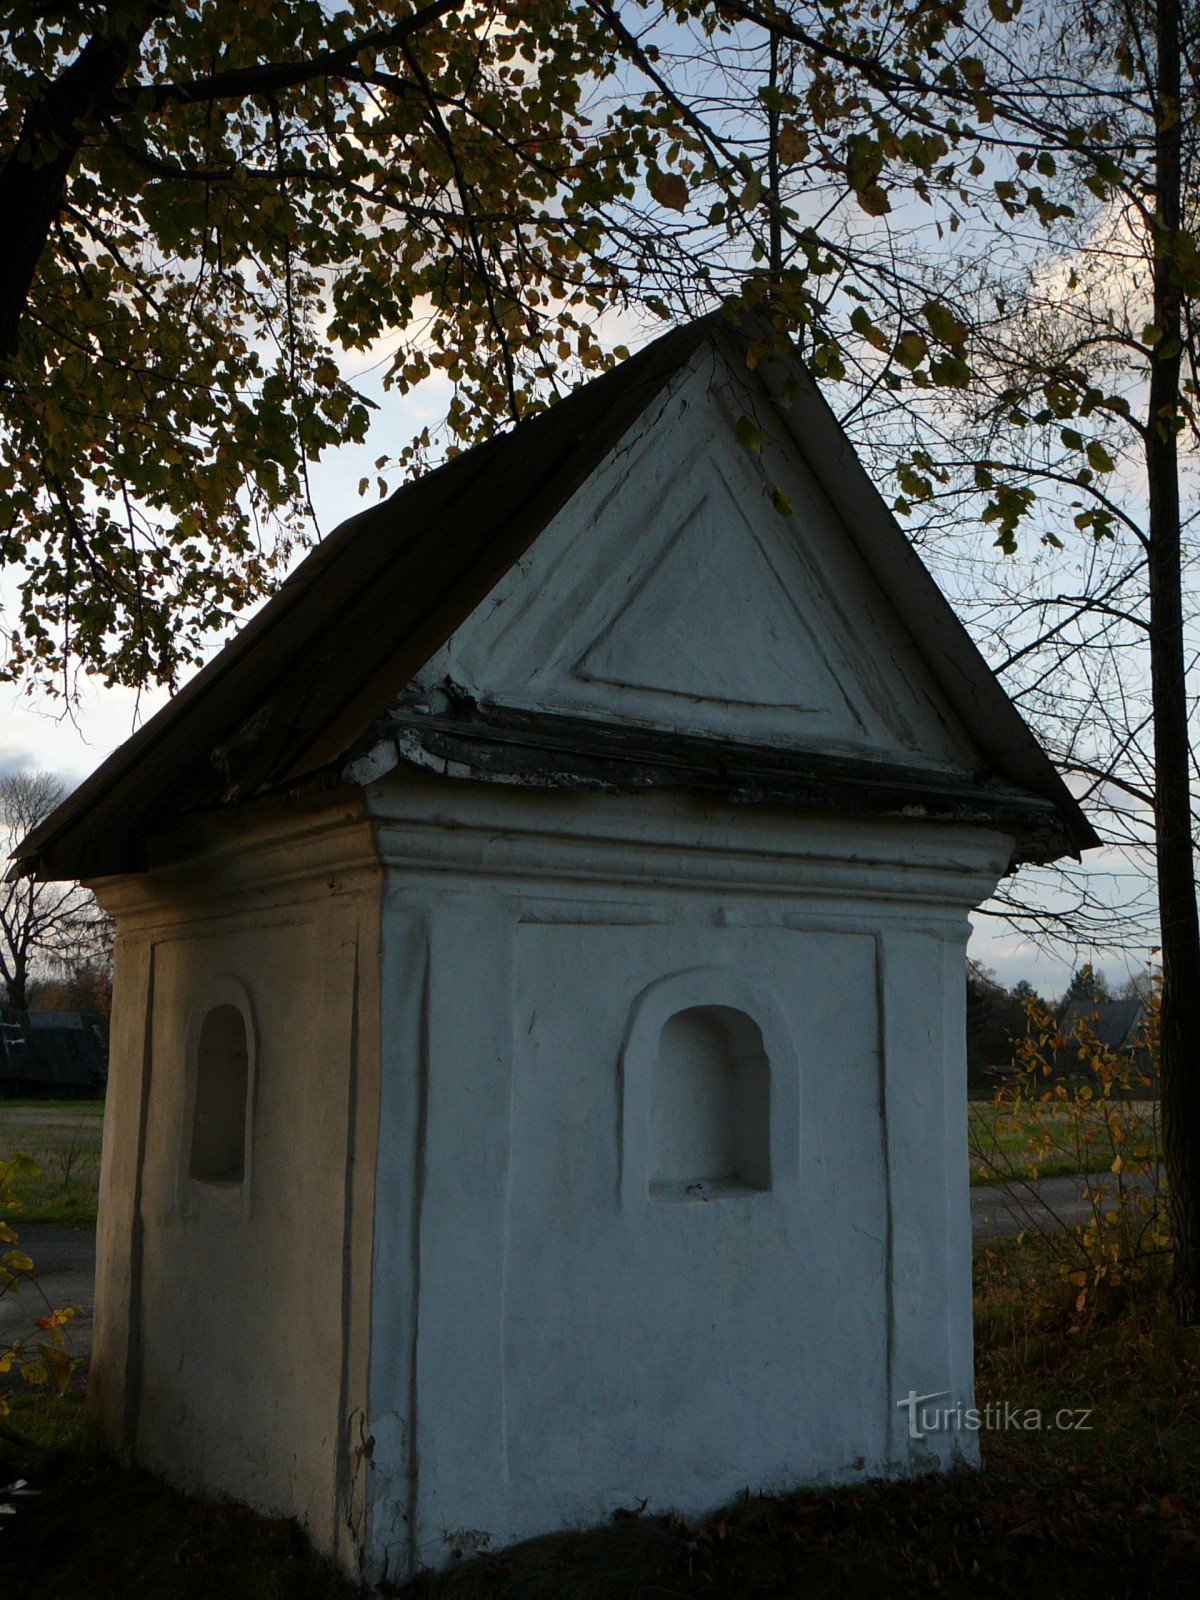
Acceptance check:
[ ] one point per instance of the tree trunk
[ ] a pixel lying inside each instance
(33, 177)
(17, 987)
(1180, 926)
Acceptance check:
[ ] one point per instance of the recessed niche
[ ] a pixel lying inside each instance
(710, 1108)
(218, 1153)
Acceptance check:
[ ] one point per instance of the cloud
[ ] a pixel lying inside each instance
(15, 758)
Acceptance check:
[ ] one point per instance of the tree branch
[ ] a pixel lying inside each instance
(269, 78)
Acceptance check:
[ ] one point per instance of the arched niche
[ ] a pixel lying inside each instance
(709, 1091)
(218, 1114)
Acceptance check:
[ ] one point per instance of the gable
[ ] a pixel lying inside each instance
(612, 558)
(671, 594)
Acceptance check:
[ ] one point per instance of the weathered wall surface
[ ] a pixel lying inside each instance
(670, 593)
(560, 1327)
(232, 1317)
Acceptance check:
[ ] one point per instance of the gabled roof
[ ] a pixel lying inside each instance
(1117, 1024)
(315, 669)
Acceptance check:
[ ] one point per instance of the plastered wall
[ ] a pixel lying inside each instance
(552, 1338)
(232, 1318)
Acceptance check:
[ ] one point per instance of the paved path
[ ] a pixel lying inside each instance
(66, 1115)
(65, 1259)
(999, 1210)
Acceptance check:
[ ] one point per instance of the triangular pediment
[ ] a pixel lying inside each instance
(685, 627)
(672, 593)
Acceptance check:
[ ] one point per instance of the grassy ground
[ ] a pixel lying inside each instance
(66, 1104)
(1108, 1512)
(69, 1158)
(1045, 1141)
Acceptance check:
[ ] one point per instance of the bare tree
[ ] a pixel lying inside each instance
(54, 926)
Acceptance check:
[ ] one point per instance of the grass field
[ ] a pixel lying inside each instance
(69, 1156)
(1111, 1511)
(66, 1107)
(1000, 1143)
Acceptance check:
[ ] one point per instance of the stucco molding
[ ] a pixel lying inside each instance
(284, 859)
(446, 828)
(875, 866)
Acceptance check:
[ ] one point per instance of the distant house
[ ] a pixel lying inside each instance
(52, 1054)
(1118, 1025)
(538, 1078)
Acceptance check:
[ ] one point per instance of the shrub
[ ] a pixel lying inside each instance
(1072, 1102)
(42, 1361)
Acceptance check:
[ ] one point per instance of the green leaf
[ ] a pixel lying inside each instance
(950, 372)
(943, 324)
(911, 350)
(792, 144)
(862, 324)
(874, 200)
(864, 160)
(749, 434)
(1098, 458)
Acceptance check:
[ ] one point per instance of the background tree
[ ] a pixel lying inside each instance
(995, 1017)
(1086, 985)
(1137, 986)
(203, 201)
(57, 928)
